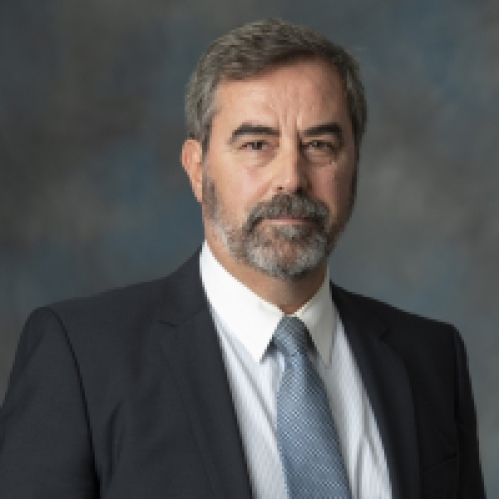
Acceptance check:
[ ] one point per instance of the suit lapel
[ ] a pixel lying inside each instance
(386, 381)
(191, 347)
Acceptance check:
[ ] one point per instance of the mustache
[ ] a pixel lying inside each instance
(288, 205)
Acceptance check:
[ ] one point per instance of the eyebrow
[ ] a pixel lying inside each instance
(250, 129)
(332, 128)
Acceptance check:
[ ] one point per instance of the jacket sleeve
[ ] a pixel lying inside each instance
(470, 474)
(45, 444)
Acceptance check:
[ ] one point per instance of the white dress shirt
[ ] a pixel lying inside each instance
(245, 324)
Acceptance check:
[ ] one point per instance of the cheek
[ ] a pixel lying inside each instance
(236, 196)
(334, 187)
(248, 188)
(344, 183)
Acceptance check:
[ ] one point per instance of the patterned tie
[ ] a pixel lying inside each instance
(306, 435)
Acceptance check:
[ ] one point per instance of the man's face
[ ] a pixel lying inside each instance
(276, 181)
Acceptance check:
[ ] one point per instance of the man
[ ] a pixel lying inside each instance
(189, 387)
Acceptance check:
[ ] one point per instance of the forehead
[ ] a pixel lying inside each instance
(302, 92)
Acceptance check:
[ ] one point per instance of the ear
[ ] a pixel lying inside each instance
(192, 160)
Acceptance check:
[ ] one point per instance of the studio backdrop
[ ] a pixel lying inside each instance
(92, 194)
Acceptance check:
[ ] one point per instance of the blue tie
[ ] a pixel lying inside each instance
(306, 434)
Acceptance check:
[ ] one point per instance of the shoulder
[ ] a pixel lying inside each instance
(432, 352)
(405, 331)
(129, 306)
(383, 310)
(100, 329)
(107, 337)
(114, 320)
(121, 305)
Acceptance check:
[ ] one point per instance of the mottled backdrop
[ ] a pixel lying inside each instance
(92, 194)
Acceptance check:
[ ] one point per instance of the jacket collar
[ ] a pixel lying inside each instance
(184, 295)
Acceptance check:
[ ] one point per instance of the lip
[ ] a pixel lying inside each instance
(287, 220)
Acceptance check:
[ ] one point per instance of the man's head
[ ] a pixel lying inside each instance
(256, 47)
(275, 114)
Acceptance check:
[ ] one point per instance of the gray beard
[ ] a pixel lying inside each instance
(286, 252)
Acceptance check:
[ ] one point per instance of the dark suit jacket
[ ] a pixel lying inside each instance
(124, 396)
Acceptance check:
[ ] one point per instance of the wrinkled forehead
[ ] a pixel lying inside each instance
(305, 93)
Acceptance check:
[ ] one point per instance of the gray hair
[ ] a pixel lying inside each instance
(254, 47)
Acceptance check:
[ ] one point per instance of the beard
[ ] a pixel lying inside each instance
(288, 251)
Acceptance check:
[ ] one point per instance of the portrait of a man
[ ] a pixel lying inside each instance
(248, 372)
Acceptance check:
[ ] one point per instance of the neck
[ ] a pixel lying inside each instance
(287, 294)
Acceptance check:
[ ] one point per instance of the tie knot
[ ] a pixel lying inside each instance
(290, 336)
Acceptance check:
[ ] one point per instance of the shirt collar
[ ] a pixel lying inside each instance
(253, 320)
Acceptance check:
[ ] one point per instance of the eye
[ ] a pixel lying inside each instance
(320, 151)
(320, 145)
(255, 145)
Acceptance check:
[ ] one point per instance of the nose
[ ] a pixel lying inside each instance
(290, 172)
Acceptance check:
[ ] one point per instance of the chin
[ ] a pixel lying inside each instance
(290, 263)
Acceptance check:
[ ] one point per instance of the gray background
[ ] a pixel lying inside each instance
(92, 194)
